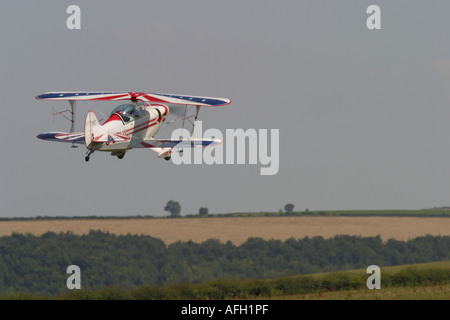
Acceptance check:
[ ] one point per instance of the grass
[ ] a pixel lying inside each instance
(424, 281)
(434, 292)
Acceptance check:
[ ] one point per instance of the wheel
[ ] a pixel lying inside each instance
(167, 158)
(88, 155)
(121, 156)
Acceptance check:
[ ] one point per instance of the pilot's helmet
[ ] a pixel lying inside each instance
(135, 111)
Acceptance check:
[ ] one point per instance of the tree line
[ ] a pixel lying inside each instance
(174, 208)
(37, 264)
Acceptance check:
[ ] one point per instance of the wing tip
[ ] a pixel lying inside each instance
(228, 101)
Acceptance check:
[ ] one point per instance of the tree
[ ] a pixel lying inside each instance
(203, 211)
(289, 207)
(173, 207)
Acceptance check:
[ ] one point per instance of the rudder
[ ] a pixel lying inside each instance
(92, 128)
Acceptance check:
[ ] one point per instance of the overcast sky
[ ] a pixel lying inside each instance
(363, 115)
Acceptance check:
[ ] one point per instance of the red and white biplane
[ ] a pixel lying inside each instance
(130, 125)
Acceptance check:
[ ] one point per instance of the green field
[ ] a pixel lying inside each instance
(435, 292)
(424, 281)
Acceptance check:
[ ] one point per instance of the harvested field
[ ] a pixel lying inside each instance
(237, 230)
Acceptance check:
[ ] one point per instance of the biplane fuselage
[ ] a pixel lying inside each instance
(124, 131)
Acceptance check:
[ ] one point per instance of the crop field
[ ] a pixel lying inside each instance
(239, 229)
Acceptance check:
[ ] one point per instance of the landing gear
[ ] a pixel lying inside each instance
(167, 158)
(88, 155)
(118, 154)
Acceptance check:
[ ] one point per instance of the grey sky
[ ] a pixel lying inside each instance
(363, 115)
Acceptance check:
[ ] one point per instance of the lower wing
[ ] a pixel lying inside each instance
(78, 137)
(164, 147)
(168, 143)
(74, 137)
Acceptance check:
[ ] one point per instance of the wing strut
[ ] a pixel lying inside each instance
(195, 119)
(72, 113)
(72, 120)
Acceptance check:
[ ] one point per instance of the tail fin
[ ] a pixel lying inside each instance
(92, 128)
(95, 132)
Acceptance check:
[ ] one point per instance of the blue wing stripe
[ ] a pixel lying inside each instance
(201, 100)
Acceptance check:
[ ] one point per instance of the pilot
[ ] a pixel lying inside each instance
(124, 115)
(135, 112)
(129, 113)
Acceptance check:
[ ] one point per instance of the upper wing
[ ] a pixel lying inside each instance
(183, 99)
(146, 97)
(83, 96)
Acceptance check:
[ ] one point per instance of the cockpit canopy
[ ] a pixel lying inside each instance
(127, 112)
